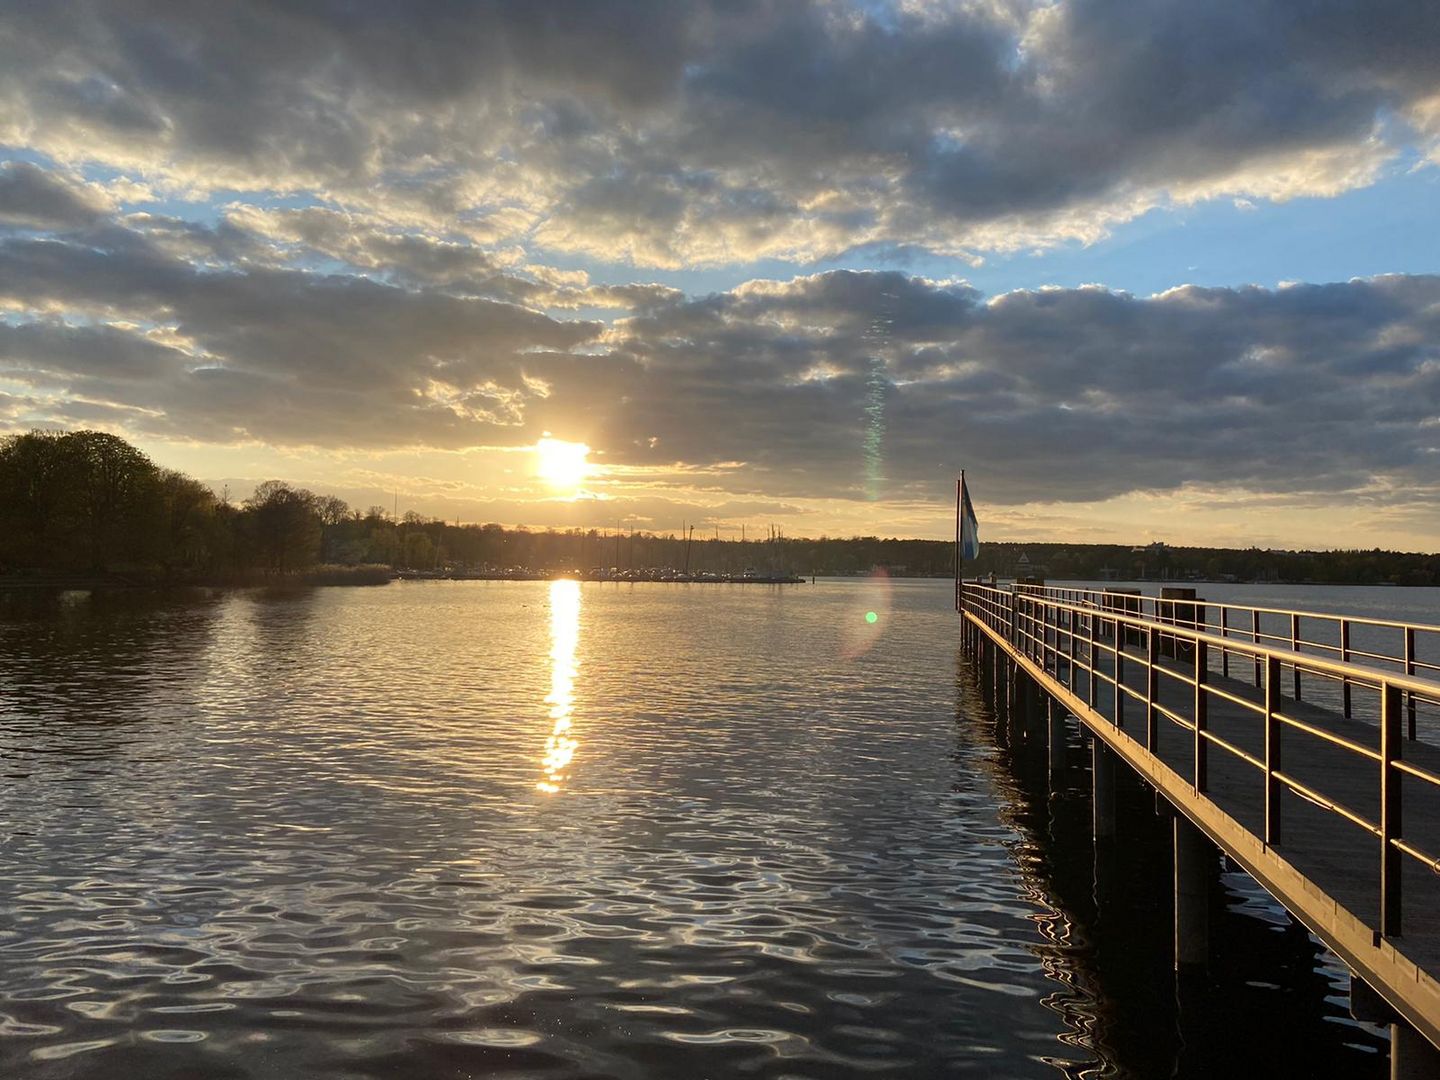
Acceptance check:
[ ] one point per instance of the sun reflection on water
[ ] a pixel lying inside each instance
(564, 636)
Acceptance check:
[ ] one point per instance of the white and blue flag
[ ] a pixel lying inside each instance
(969, 527)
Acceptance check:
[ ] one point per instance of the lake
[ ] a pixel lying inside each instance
(553, 829)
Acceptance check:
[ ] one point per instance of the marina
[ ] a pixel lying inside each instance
(667, 575)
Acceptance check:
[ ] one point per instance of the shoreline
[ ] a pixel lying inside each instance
(371, 577)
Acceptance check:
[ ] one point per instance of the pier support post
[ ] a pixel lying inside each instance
(1028, 707)
(1102, 769)
(1412, 1056)
(1019, 706)
(1055, 740)
(1195, 865)
(992, 666)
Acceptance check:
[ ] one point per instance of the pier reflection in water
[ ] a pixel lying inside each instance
(564, 635)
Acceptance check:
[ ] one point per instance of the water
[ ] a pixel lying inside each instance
(560, 830)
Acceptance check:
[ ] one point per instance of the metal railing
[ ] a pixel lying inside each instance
(1410, 648)
(1158, 657)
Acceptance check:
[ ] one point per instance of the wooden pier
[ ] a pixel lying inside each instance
(1306, 746)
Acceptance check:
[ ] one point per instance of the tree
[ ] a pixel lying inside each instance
(86, 498)
(285, 524)
(188, 508)
(31, 491)
(331, 510)
(111, 481)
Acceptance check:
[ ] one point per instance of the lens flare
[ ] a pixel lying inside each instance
(877, 392)
(863, 628)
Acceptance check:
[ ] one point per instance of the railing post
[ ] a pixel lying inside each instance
(1273, 762)
(1202, 709)
(1070, 674)
(1295, 648)
(1391, 824)
(1255, 640)
(1044, 617)
(1120, 630)
(1224, 632)
(1410, 670)
(1345, 659)
(1152, 689)
(1094, 660)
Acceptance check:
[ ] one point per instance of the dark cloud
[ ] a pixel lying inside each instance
(1059, 394)
(38, 350)
(669, 132)
(277, 354)
(846, 385)
(41, 199)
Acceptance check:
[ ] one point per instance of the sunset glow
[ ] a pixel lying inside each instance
(776, 267)
(602, 538)
(562, 465)
(560, 745)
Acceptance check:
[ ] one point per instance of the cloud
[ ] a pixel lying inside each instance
(842, 385)
(275, 354)
(672, 134)
(1052, 395)
(411, 259)
(44, 199)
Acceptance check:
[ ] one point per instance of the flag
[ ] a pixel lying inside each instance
(969, 527)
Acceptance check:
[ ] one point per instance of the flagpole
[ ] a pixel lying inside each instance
(959, 494)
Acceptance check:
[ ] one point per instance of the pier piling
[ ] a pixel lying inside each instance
(1196, 861)
(1055, 741)
(1103, 779)
(1026, 716)
(1412, 1056)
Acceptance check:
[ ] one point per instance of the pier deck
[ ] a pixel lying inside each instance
(1337, 815)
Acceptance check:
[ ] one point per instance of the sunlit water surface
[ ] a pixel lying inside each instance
(543, 830)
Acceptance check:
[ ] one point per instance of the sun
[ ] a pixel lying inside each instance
(562, 465)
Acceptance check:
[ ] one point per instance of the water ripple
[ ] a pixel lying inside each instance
(268, 835)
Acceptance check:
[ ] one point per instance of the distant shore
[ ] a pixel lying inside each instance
(372, 575)
(318, 575)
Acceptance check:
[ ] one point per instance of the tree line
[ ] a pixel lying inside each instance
(89, 503)
(1158, 562)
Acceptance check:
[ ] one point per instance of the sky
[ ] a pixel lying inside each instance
(1155, 271)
